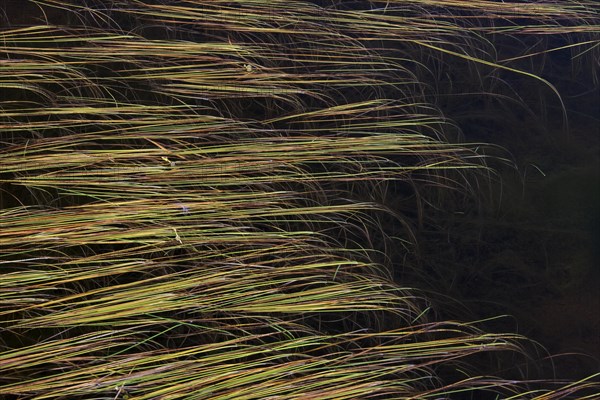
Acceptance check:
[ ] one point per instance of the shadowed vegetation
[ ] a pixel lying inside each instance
(219, 199)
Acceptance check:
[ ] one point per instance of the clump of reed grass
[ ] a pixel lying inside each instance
(186, 208)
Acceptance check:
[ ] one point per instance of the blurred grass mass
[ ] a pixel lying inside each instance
(193, 197)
